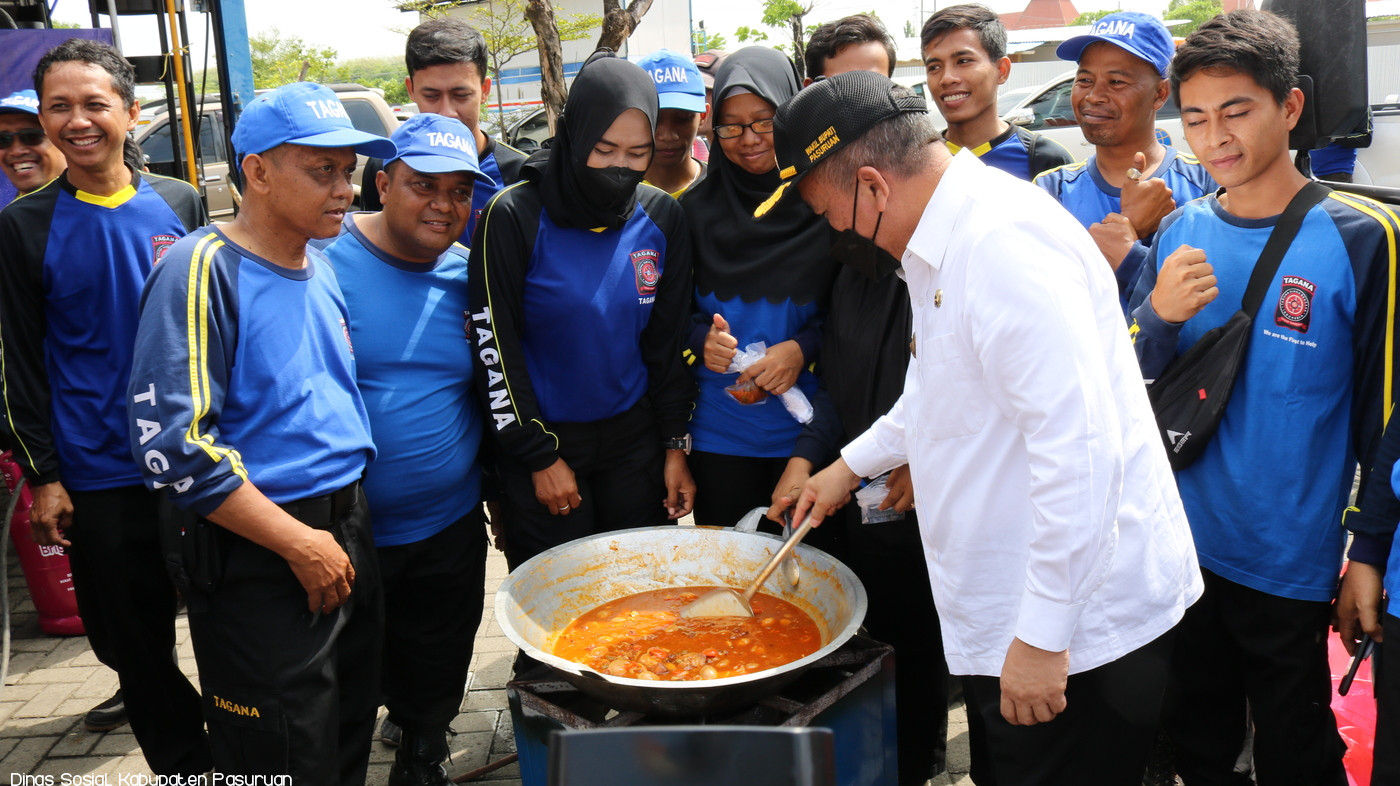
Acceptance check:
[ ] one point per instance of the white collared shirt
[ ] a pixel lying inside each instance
(1047, 507)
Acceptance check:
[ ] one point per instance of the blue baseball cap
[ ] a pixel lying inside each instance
(302, 113)
(26, 101)
(1140, 34)
(678, 82)
(435, 144)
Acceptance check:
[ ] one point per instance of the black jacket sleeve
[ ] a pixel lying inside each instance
(500, 258)
(669, 384)
(1375, 353)
(24, 235)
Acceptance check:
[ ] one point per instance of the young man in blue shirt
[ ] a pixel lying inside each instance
(1265, 500)
(1122, 192)
(405, 284)
(74, 255)
(964, 51)
(447, 75)
(243, 409)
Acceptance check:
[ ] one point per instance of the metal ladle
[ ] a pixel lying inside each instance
(728, 602)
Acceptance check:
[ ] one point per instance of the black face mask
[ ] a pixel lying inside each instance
(611, 186)
(862, 253)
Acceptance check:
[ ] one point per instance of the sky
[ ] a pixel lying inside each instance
(365, 28)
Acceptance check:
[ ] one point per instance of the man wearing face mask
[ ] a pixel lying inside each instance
(1058, 585)
(579, 289)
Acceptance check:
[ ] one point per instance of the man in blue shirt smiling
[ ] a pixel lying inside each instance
(405, 284)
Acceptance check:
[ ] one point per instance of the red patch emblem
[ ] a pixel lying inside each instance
(646, 264)
(159, 245)
(1295, 304)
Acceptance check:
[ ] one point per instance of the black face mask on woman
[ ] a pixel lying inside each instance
(611, 186)
(860, 252)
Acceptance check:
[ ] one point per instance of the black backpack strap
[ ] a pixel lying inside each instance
(1279, 241)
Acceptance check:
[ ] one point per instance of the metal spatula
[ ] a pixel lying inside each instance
(728, 602)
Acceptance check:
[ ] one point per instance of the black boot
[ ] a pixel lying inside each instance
(418, 761)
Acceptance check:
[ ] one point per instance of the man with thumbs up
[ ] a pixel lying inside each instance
(1133, 180)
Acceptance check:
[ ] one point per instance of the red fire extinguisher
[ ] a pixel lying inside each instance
(45, 568)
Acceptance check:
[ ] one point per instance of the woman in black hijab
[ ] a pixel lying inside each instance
(580, 289)
(765, 280)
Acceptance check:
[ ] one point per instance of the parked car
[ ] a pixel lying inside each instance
(366, 107)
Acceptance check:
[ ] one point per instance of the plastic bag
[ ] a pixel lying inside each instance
(748, 393)
(869, 498)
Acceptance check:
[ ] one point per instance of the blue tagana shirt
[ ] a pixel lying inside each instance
(721, 424)
(1084, 192)
(413, 363)
(1265, 501)
(244, 372)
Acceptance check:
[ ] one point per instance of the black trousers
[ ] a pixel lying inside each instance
(1240, 647)
(1386, 668)
(1103, 737)
(286, 690)
(434, 590)
(619, 467)
(128, 608)
(889, 560)
(727, 487)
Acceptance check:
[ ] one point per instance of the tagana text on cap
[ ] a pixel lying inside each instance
(436, 144)
(1140, 34)
(828, 115)
(25, 101)
(302, 113)
(678, 81)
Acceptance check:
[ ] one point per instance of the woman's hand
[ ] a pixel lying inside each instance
(556, 488)
(778, 370)
(719, 346)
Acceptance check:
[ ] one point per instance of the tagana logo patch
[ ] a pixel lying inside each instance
(159, 245)
(646, 264)
(1295, 304)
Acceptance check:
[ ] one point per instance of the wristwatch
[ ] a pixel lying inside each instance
(678, 443)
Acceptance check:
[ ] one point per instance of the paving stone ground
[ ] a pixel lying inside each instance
(53, 681)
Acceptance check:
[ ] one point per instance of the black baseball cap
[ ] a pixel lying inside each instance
(828, 115)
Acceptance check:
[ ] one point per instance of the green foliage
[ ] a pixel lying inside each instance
(704, 41)
(66, 25)
(909, 31)
(384, 73)
(1090, 17)
(750, 35)
(777, 13)
(279, 60)
(1194, 11)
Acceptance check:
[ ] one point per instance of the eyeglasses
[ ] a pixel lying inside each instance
(733, 130)
(29, 137)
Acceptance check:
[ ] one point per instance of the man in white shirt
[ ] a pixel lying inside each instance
(1056, 544)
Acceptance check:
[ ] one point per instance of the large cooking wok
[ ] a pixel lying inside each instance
(542, 596)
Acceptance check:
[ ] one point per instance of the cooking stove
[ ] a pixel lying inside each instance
(850, 691)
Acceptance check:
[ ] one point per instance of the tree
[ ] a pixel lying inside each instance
(746, 35)
(552, 90)
(1090, 17)
(278, 61)
(789, 14)
(1194, 12)
(909, 30)
(619, 22)
(705, 42)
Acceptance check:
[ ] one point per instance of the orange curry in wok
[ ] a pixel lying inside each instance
(643, 637)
